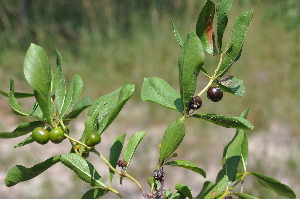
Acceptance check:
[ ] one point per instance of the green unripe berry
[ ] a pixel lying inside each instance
(92, 139)
(40, 135)
(57, 135)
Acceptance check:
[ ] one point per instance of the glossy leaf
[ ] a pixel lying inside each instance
(275, 185)
(28, 140)
(83, 169)
(205, 28)
(59, 84)
(222, 19)
(80, 106)
(177, 35)
(232, 85)
(226, 121)
(172, 138)
(187, 165)
(20, 173)
(184, 189)
(72, 95)
(105, 109)
(245, 196)
(133, 143)
(190, 62)
(115, 151)
(22, 129)
(232, 155)
(13, 101)
(37, 71)
(94, 193)
(235, 44)
(218, 188)
(158, 91)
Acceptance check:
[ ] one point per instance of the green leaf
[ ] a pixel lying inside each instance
(172, 138)
(232, 155)
(18, 95)
(168, 193)
(177, 35)
(22, 129)
(245, 196)
(184, 189)
(83, 169)
(133, 142)
(105, 109)
(58, 58)
(222, 18)
(218, 188)
(235, 44)
(80, 106)
(28, 140)
(37, 71)
(158, 91)
(226, 121)
(187, 165)
(275, 185)
(207, 187)
(244, 150)
(190, 62)
(72, 95)
(13, 101)
(59, 84)
(232, 85)
(205, 28)
(178, 195)
(244, 113)
(94, 193)
(151, 181)
(20, 173)
(36, 112)
(115, 151)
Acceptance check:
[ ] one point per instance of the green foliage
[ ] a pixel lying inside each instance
(37, 71)
(83, 169)
(187, 165)
(173, 136)
(133, 143)
(55, 106)
(158, 91)
(20, 173)
(190, 61)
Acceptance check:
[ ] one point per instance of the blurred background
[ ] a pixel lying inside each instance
(111, 43)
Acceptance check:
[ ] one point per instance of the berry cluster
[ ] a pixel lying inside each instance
(57, 135)
(42, 136)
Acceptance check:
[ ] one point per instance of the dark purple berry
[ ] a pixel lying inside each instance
(214, 94)
(195, 103)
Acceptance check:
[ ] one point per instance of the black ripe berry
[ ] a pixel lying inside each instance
(214, 94)
(195, 103)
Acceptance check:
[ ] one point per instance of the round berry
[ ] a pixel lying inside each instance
(214, 94)
(57, 135)
(195, 103)
(40, 135)
(92, 139)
